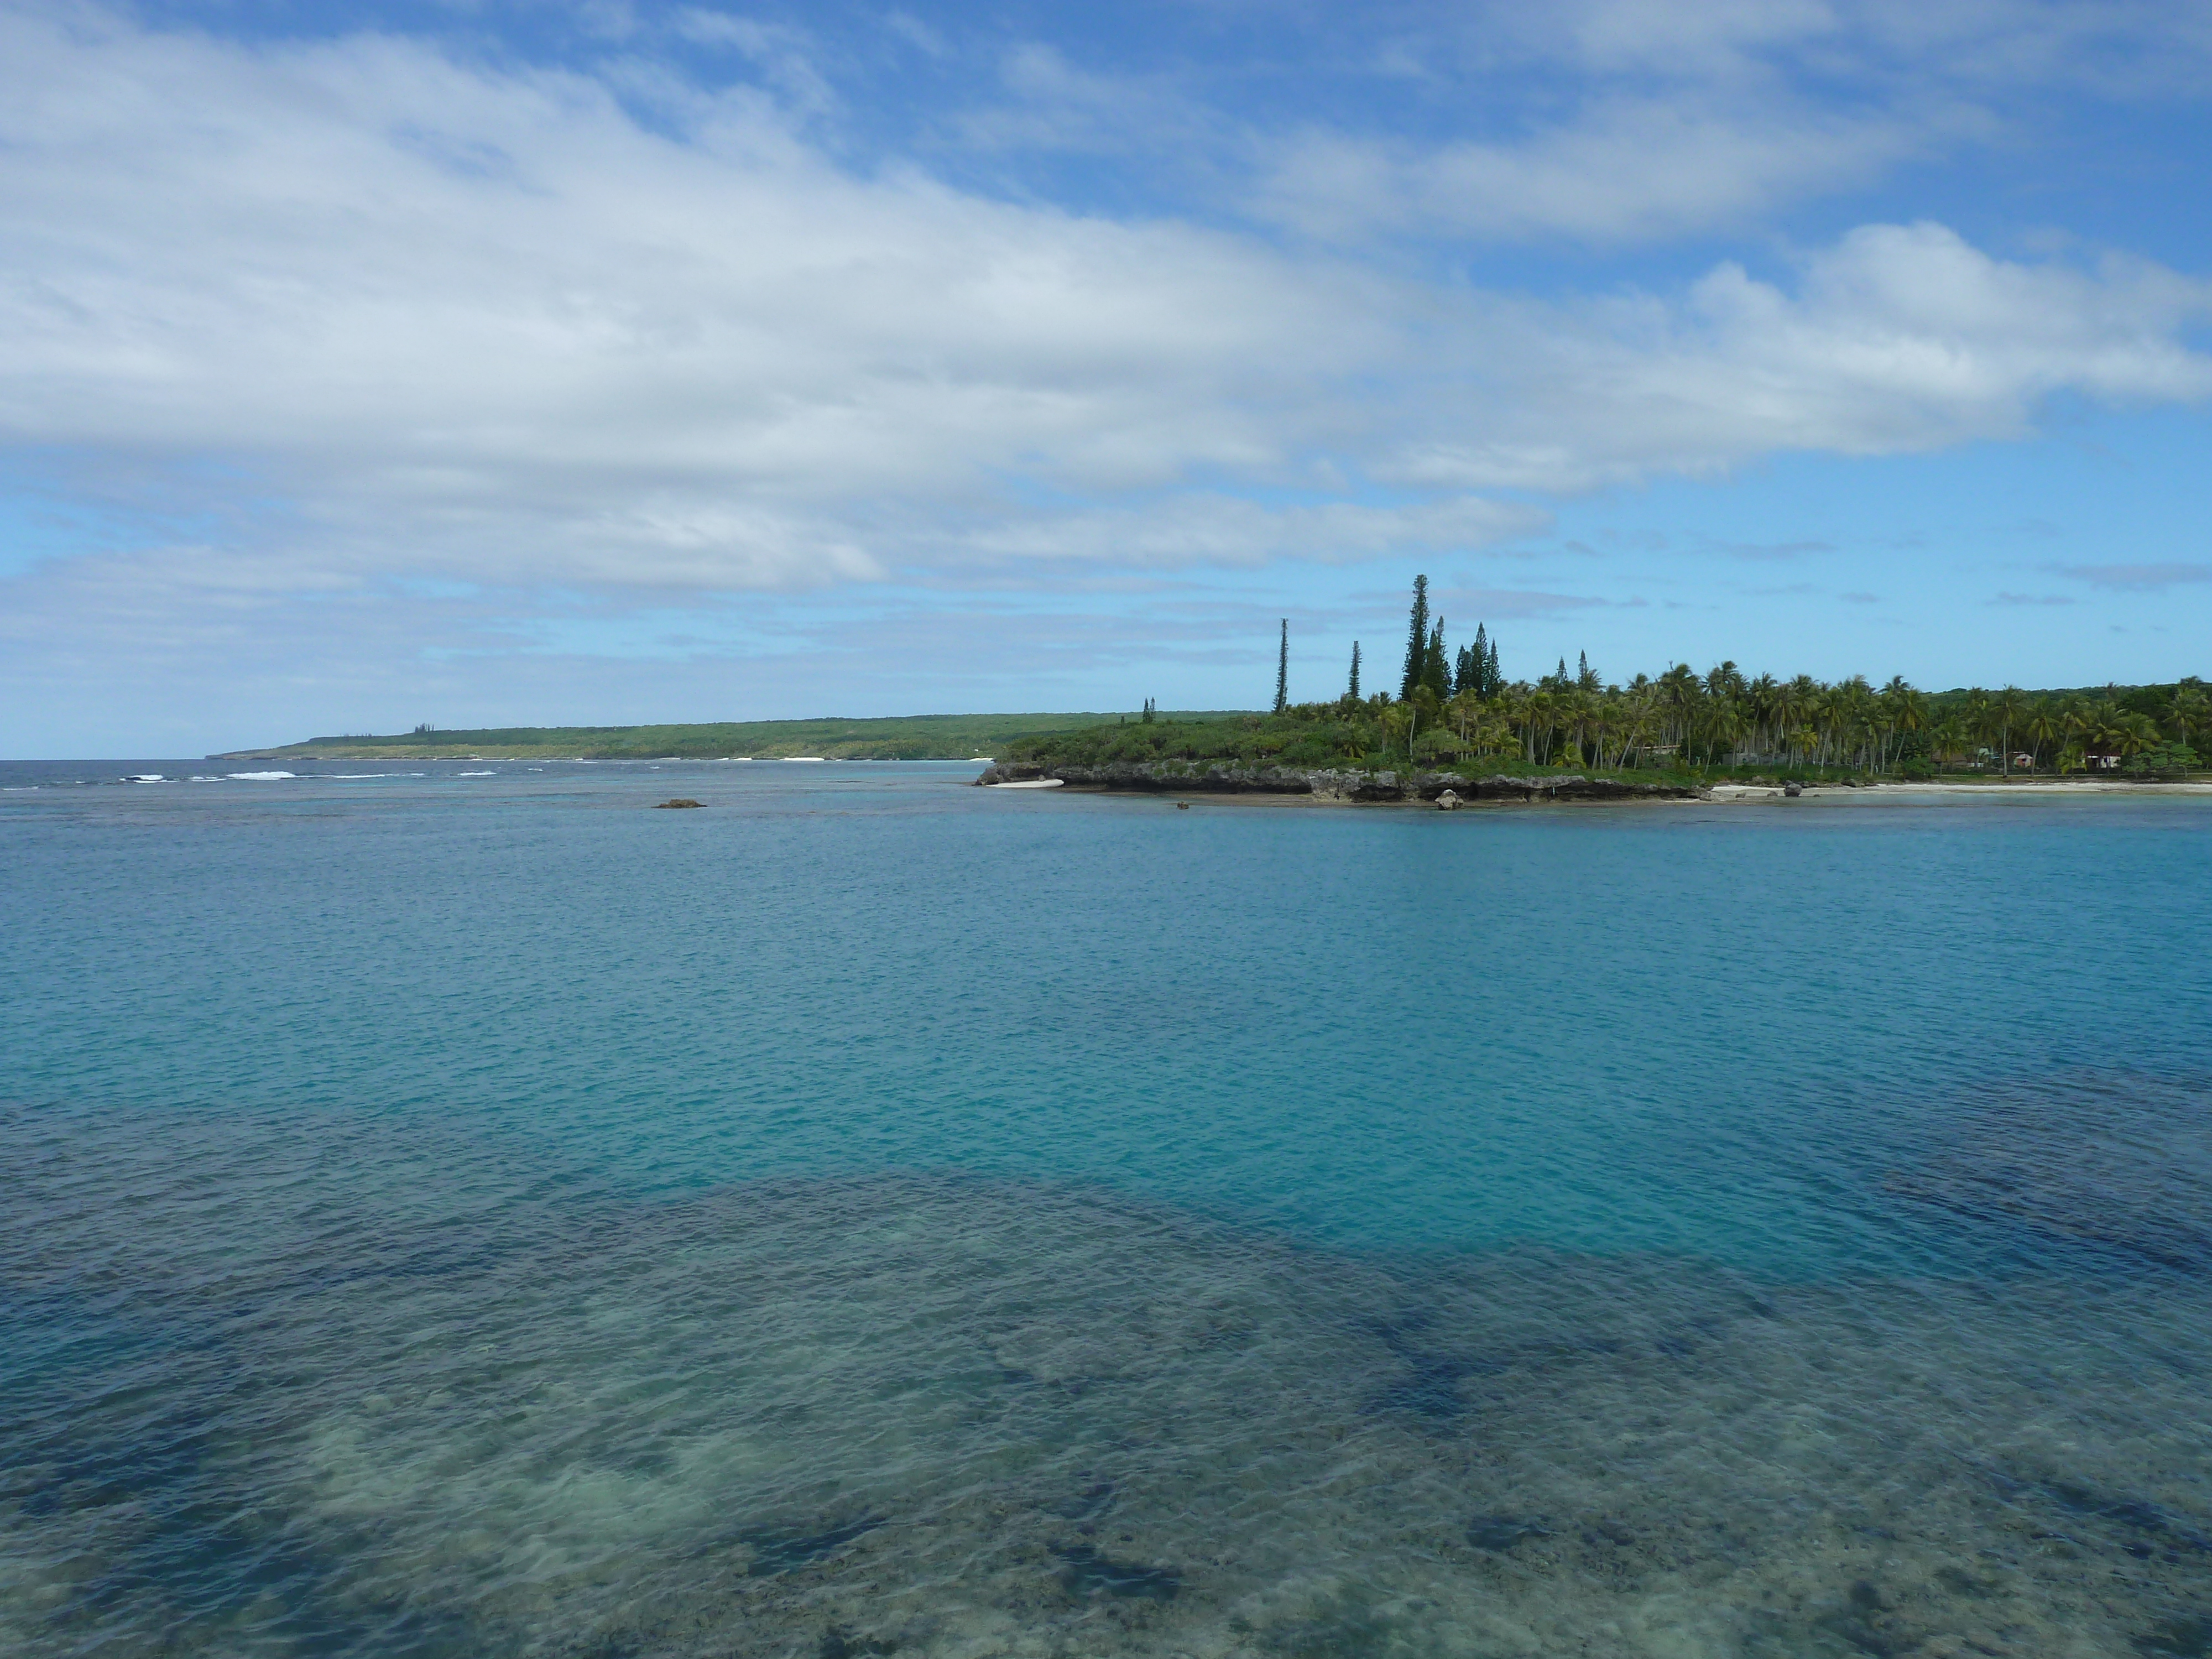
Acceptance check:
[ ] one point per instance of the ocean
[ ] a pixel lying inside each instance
(454, 1209)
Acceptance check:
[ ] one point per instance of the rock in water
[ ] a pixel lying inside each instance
(1448, 802)
(657, 805)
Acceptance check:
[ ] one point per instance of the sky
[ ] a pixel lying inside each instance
(503, 363)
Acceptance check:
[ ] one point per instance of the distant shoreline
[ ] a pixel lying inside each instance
(1382, 788)
(903, 737)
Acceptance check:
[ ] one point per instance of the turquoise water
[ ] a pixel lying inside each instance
(457, 1214)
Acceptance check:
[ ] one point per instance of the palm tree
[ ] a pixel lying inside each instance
(2189, 712)
(1950, 738)
(1678, 694)
(1517, 699)
(1905, 710)
(2010, 709)
(1833, 711)
(1543, 720)
(1725, 727)
(1637, 718)
(1489, 733)
(1761, 697)
(2043, 726)
(2080, 723)
(2108, 732)
(1976, 713)
(1799, 700)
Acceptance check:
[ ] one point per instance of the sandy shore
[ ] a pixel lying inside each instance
(1989, 788)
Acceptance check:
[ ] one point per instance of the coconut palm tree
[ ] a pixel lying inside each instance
(1638, 720)
(1760, 697)
(2080, 723)
(1976, 713)
(1679, 691)
(1950, 738)
(1905, 708)
(2105, 731)
(2009, 709)
(2190, 712)
(1832, 718)
(1725, 725)
(2044, 724)
(1519, 710)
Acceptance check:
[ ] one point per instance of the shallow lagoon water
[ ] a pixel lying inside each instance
(476, 1215)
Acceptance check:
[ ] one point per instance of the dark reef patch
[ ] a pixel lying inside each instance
(781, 1552)
(1500, 1534)
(1084, 1571)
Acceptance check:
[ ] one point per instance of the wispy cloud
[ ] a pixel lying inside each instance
(1475, 604)
(2137, 578)
(485, 324)
(460, 345)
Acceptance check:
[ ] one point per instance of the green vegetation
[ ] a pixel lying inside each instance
(922, 737)
(1456, 714)
(1686, 726)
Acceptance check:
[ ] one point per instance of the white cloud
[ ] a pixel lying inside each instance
(1898, 338)
(1628, 170)
(486, 325)
(1614, 123)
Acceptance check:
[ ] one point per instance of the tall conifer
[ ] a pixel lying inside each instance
(1417, 640)
(1283, 670)
(1353, 692)
(1434, 673)
(1494, 682)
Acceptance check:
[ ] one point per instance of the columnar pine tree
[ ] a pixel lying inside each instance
(1492, 681)
(1417, 640)
(1479, 684)
(1434, 673)
(1352, 692)
(1283, 670)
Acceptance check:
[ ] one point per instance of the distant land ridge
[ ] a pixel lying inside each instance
(911, 737)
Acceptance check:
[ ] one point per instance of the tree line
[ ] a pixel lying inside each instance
(1449, 707)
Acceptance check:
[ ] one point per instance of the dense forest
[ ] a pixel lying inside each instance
(1454, 707)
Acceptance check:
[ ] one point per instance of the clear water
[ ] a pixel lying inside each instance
(479, 1215)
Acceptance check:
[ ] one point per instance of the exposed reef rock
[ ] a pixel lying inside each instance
(1227, 778)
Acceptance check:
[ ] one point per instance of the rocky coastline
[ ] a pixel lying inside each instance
(1225, 778)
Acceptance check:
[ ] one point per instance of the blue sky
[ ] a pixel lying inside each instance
(494, 364)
